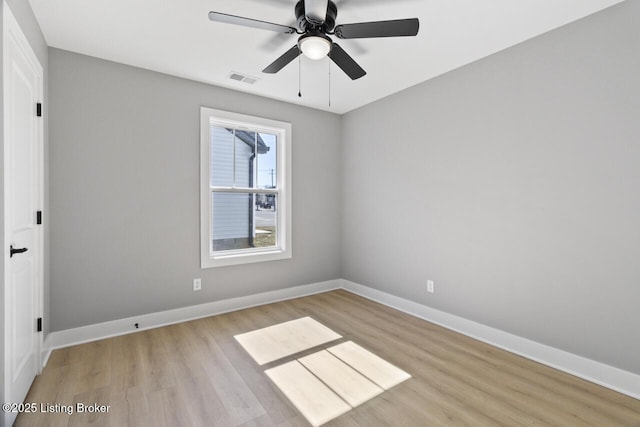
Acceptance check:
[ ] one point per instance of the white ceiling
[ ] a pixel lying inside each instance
(176, 37)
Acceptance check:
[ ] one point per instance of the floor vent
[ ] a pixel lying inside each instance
(242, 78)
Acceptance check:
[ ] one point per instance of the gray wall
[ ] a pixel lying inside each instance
(27, 21)
(513, 183)
(125, 193)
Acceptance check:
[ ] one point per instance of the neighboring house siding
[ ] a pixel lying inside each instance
(231, 216)
(221, 157)
(231, 211)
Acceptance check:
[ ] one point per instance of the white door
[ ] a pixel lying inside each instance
(23, 197)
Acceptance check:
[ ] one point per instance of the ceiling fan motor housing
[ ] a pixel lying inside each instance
(304, 24)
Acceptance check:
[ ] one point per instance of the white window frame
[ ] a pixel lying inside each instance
(282, 130)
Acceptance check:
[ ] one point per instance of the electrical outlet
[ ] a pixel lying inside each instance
(197, 284)
(430, 286)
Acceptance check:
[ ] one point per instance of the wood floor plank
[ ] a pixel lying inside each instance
(225, 327)
(344, 380)
(127, 369)
(197, 374)
(193, 383)
(236, 396)
(368, 364)
(129, 408)
(285, 339)
(317, 402)
(84, 417)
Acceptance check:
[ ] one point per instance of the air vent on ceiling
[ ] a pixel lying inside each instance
(239, 77)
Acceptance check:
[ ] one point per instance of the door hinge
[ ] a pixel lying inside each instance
(39, 217)
(39, 324)
(39, 109)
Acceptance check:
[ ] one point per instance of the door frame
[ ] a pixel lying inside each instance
(12, 33)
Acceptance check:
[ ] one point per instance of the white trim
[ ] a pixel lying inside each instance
(283, 249)
(45, 354)
(596, 372)
(114, 328)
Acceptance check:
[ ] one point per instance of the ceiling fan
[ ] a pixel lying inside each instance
(316, 21)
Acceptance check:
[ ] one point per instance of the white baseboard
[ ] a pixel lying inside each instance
(613, 378)
(45, 353)
(608, 376)
(114, 328)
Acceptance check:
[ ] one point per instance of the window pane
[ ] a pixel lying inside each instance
(244, 164)
(242, 221)
(266, 163)
(221, 157)
(265, 218)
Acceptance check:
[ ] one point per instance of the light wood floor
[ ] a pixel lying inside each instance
(196, 374)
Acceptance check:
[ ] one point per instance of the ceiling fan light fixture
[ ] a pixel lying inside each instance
(314, 46)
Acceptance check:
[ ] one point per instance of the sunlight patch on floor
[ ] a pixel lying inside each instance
(285, 339)
(327, 383)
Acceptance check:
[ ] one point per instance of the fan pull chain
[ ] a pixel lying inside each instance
(299, 76)
(329, 61)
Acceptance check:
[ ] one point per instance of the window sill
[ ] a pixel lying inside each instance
(239, 258)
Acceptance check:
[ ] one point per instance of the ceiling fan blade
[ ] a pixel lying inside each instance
(345, 62)
(248, 22)
(316, 11)
(281, 62)
(362, 30)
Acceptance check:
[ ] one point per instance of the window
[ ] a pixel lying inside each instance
(245, 189)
